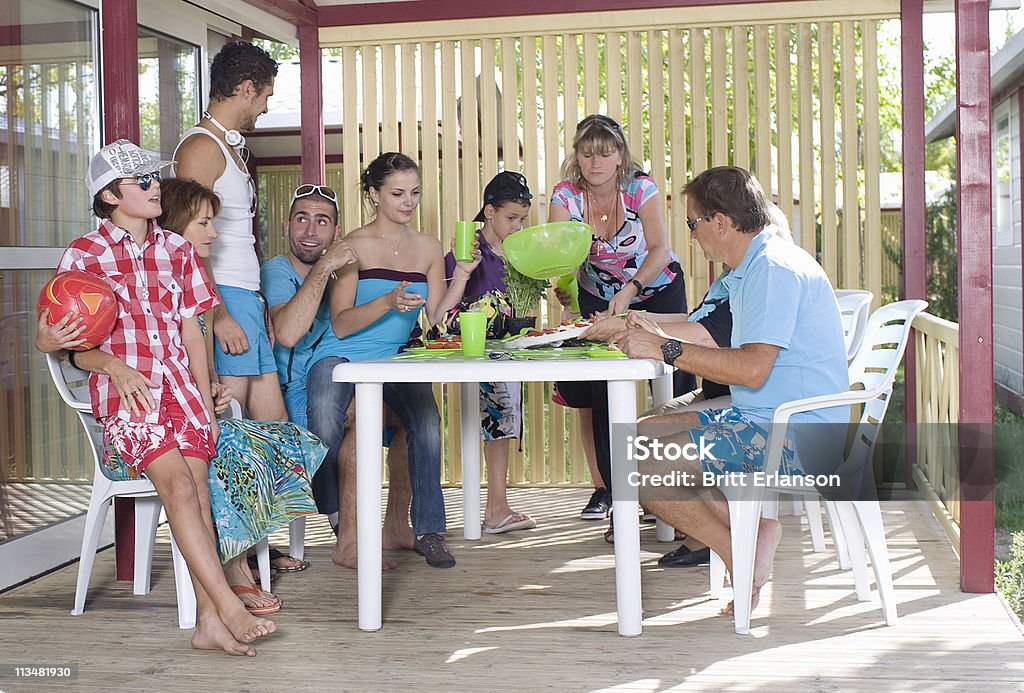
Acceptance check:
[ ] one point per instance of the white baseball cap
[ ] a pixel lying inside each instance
(120, 159)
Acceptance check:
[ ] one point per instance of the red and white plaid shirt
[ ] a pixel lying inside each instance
(156, 286)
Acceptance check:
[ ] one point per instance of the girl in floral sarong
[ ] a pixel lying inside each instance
(259, 479)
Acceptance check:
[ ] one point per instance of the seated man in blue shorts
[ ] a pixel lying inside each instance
(787, 344)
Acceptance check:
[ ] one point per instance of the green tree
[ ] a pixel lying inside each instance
(941, 256)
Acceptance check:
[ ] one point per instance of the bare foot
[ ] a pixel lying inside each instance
(755, 597)
(212, 634)
(347, 556)
(398, 537)
(248, 628)
(769, 533)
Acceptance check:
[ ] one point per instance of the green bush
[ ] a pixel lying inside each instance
(940, 257)
(1010, 575)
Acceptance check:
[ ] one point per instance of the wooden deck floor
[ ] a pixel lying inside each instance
(535, 610)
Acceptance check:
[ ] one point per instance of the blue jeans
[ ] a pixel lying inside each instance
(414, 405)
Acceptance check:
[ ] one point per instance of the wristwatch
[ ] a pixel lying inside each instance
(671, 350)
(638, 285)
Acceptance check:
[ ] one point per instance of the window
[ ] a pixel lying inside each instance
(1004, 145)
(168, 91)
(49, 129)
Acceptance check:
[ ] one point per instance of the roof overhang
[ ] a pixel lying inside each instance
(1007, 72)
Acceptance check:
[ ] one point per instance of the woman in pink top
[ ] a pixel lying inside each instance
(630, 266)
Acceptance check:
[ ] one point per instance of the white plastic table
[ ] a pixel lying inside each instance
(369, 377)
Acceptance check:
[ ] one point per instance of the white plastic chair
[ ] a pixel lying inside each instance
(874, 368)
(72, 384)
(854, 306)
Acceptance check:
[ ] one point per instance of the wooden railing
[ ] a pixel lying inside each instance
(936, 469)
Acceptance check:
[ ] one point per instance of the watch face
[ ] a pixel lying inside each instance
(671, 350)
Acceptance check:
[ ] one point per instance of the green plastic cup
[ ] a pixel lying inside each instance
(474, 333)
(569, 283)
(465, 234)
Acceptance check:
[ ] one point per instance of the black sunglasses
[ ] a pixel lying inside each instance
(145, 181)
(692, 223)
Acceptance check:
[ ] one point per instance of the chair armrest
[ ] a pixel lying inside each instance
(782, 414)
(785, 410)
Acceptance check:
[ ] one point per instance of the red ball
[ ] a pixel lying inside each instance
(88, 295)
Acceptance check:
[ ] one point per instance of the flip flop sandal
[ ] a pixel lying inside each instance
(511, 522)
(275, 555)
(239, 590)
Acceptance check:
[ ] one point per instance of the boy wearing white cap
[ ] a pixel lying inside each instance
(153, 401)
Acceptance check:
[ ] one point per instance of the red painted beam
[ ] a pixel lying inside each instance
(120, 65)
(312, 136)
(914, 222)
(974, 221)
(433, 10)
(289, 10)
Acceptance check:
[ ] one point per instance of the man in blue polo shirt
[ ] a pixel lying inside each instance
(296, 287)
(787, 344)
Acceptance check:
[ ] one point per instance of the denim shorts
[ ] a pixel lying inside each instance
(247, 308)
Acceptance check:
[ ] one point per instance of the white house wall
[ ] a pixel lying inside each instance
(1006, 266)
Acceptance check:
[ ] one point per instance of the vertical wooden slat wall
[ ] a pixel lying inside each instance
(741, 99)
(872, 219)
(784, 99)
(763, 98)
(805, 83)
(850, 246)
(688, 96)
(827, 156)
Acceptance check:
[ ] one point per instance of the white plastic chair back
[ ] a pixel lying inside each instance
(854, 306)
(73, 387)
(874, 368)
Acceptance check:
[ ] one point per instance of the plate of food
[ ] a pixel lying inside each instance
(552, 337)
(437, 346)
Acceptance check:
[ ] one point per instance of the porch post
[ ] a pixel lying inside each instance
(312, 107)
(913, 227)
(974, 221)
(119, 57)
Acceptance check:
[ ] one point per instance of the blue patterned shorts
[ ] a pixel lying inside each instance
(739, 443)
(501, 412)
